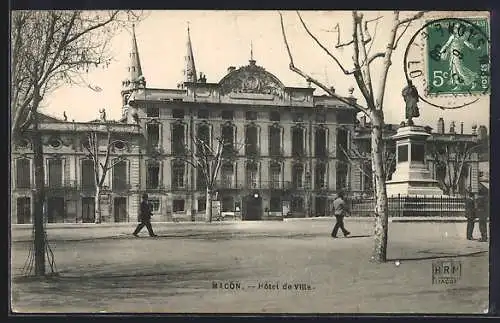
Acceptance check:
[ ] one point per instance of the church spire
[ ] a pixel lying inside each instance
(135, 76)
(190, 70)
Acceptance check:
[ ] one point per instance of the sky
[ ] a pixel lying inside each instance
(223, 38)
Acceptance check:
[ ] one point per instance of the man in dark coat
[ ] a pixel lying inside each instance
(410, 95)
(339, 210)
(470, 214)
(482, 207)
(145, 213)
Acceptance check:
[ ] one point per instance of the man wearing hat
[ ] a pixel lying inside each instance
(145, 213)
(339, 210)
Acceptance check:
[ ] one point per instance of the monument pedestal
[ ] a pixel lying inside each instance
(412, 176)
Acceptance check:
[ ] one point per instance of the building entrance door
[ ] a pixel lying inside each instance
(253, 207)
(88, 210)
(120, 209)
(56, 211)
(23, 210)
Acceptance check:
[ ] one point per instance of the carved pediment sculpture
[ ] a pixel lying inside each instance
(251, 79)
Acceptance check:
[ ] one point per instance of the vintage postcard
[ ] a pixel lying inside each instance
(249, 162)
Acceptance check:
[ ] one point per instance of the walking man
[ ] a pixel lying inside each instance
(339, 210)
(470, 214)
(145, 213)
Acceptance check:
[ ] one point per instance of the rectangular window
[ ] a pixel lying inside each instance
(153, 175)
(297, 204)
(251, 175)
(178, 113)
(178, 205)
(153, 133)
(251, 115)
(201, 182)
(274, 116)
(320, 117)
(251, 140)
(275, 176)
(178, 136)
(203, 139)
(87, 175)
(274, 141)
(178, 176)
(55, 173)
(341, 175)
(227, 115)
(120, 176)
(202, 204)
(155, 202)
(152, 111)
(23, 173)
(203, 114)
(320, 142)
(297, 173)
(228, 139)
(297, 142)
(342, 143)
(227, 176)
(319, 178)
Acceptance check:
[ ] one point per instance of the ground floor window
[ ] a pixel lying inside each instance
(120, 209)
(178, 205)
(155, 203)
(202, 204)
(88, 210)
(23, 210)
(297, 204)
(56, 210)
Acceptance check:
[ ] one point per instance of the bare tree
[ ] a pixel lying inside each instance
(48, 49)
(101, 168)
(209, 159)
(363, 62)
(450, 159)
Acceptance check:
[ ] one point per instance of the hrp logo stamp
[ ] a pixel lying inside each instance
(446, 271)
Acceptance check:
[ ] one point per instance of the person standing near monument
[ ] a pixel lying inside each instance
(339, 210)
(470, 214)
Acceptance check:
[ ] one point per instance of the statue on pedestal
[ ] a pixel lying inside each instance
(410, 95)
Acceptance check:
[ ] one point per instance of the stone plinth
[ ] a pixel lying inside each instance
(412, 177)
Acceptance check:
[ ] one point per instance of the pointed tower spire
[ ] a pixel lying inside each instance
(190, 71)
(135, 77)
(252, 61)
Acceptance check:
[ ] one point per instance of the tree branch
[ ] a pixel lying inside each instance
(292, 67)
(344, 70)
(416, 16)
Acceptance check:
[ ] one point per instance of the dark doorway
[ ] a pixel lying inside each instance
(88, 210)
(23, 210)
(321, 206)
(56, 212)
(120, 209)
(253, 207)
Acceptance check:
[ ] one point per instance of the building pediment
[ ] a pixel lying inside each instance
(251, 80)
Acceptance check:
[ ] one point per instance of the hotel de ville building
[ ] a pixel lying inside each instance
(283, 155)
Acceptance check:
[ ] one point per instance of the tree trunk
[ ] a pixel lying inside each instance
(39, 198)
(208, 206)
(97, 205)
(381, 210)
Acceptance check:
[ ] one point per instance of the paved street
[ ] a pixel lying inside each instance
(104, 268)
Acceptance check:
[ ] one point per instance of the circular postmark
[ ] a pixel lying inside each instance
(448, 61)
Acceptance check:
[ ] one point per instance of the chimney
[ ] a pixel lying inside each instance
(483, 132)
(474, 128)
(440, 127)
(332, 89)
(461, 128)
(230, 69)
(362, 121)
(452, 127)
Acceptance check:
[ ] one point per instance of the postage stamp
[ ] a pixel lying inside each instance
(458, 56)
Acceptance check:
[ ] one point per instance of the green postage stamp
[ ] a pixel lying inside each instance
(458, 56)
